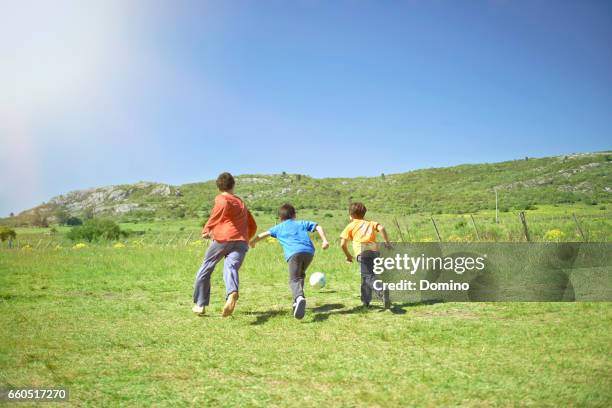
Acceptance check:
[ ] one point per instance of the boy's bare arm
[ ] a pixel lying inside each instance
(321, 232)
(383, 232)
(344, 246)
(258, 238)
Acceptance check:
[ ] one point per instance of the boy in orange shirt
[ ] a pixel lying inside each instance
(363, 234)
(230, 226)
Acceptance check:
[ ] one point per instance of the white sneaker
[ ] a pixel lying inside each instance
(299, 307)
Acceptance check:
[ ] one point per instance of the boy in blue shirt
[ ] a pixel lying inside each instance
(298, 248)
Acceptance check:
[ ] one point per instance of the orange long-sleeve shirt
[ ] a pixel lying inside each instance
(230, 220)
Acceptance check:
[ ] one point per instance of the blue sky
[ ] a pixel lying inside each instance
(107, 92)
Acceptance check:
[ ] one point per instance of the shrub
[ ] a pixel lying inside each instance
(74, 221)
(94, 230)
(7, 234)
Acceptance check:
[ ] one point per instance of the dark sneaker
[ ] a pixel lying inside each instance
(386, 299)
(299, 308)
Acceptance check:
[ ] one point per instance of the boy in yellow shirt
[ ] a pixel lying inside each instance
(363, 234)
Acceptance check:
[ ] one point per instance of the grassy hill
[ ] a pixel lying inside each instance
(468, 188)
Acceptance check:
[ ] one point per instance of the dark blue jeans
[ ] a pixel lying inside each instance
(366, 263)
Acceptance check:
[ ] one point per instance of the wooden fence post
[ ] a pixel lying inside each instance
(436, 228)
(399, 230)
(475, 227)
(579, 228)
(525, 228)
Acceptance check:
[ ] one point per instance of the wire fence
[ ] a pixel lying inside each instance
(510, 227)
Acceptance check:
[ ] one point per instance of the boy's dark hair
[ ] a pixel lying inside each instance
(286, 212)
(225, 182)
(357, 210)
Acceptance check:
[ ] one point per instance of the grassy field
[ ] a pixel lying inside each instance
(115, 327)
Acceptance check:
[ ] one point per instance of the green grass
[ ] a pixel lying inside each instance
(115, 327)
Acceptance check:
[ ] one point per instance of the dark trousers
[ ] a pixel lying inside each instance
(297, 272)
(366, 263)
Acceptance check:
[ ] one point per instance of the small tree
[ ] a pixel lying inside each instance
(39, 220)
(61, 215)
(7, 234)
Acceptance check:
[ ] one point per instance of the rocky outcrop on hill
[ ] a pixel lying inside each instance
(114, 200)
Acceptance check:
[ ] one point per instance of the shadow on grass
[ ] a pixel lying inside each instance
(397, 308)
(263, 317)
(327, 308)
(322, 313)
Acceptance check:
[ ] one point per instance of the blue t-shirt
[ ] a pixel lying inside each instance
(293, 236)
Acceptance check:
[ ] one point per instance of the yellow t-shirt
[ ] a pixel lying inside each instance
(363, 234)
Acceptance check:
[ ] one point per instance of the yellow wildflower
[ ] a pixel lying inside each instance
(554, 235)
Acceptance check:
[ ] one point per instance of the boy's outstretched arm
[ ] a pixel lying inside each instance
(258, 238)
(321, 232)
(344, 246)
(383, 232)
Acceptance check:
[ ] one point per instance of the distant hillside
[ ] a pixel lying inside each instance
(460, 189)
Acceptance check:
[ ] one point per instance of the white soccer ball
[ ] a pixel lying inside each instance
(317, 280)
